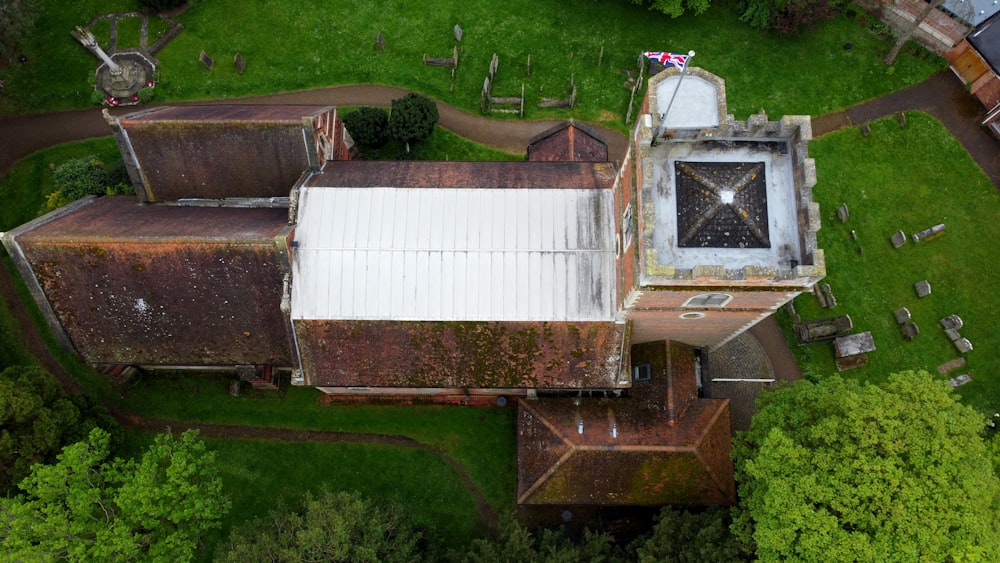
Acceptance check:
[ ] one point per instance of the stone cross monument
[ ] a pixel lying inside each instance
(120, 75)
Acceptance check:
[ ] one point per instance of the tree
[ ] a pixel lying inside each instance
(37, 419)
(680, 536)
(332, 527)
(786, 16)
(85, 508)
(412, 119)
(843, 471)
(367, 125)
(88, 175)
(674, 8)
(17, 21)
(516, 544)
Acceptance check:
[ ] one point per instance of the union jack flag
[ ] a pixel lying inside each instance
(667, 59)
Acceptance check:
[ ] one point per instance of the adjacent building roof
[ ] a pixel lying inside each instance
(986, 40)
(661, 445)
(158, 285)
(460, 254)
(221, 151)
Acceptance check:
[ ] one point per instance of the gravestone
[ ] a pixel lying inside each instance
(951, 321)
(865, 130)
(843, 213)
(379, 42)
(458, 33)
(909, 330)
(963, 345)
(929, 233)
(960, 380)
(952, 334)
(898, 239)
(206, 60)
(923, 288)
(241, 65)
(902, 315)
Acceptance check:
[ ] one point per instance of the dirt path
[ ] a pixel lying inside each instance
(36, 132)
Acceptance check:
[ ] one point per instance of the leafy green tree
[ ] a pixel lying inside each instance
(17, 21)
(85, 508)
(367, 125)
(516, 544)
(675, 8)
(37, 419)
(685, 537)
(331, 527)
(412, 119)
(843, 471)
(88, 175)
(788, 17)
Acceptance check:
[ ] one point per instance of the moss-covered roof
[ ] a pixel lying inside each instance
(156, 285)
(461, 354)
(625, 451)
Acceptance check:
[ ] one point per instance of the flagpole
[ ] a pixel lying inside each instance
(663, 116)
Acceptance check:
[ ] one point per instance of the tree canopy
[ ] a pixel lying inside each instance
(412, 118)
(37, 419)
(843, 471)
(516, 544)
(86, 508)
(675, 8)
(332, 527)
(17, 21)
(789, 17)
(88, 175)
(367, 125)
(682, 536)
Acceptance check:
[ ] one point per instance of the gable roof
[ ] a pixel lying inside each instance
(163, 285)
(639, 450)
(568, 141)
(223, 151)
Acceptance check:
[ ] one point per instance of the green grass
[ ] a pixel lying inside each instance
(481, 439)
(264, 475)
(908, 178)
(310, 43)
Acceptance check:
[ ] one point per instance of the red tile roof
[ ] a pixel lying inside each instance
(625, 451)
(568, 141)
(452, 174)
(158, 285)
(216, 152)
(461, 354)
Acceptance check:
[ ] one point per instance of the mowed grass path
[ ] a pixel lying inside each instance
(311, 43)
(908, 178)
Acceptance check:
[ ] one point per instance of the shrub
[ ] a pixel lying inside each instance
(367, 126)
(412, 119)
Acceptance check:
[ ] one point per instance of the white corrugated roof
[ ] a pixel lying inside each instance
(454, 254)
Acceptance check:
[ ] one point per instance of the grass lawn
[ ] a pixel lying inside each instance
(908, 178)
(264, 475)
(309, 43)
(481, 439)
